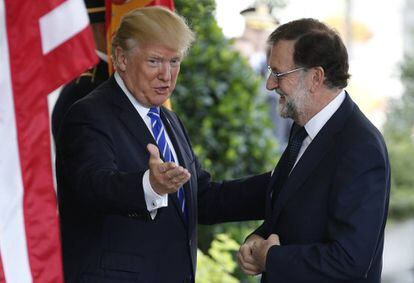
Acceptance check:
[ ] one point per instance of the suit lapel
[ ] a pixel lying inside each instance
(303, 169)
(319, 147)
(130, 117)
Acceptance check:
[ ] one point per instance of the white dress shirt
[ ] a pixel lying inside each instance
(152, 199)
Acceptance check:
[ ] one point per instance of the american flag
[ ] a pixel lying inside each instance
(43, 44)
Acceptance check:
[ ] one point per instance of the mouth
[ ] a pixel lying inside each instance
(162, 90)
(282, 96)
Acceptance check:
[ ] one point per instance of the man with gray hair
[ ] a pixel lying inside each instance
(327, 200)
(130, 188)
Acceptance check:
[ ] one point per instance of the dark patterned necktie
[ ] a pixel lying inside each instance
(289, 158)
(159, 135)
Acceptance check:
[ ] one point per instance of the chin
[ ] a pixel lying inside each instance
(159, 102)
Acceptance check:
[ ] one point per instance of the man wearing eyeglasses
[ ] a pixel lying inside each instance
(327, 199)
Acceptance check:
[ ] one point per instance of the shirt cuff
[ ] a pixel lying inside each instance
(152, 199)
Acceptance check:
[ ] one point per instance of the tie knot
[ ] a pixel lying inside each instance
(300, 134)
(153, 113)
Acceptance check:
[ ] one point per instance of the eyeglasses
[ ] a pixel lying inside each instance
(276, 76)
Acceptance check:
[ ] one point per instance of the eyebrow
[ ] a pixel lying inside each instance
(159, 56)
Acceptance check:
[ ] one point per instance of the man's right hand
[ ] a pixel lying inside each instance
(165, 177)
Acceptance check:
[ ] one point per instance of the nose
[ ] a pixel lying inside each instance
(271, 83)
(164, 72)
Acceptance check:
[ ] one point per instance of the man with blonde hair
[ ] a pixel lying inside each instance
(130, 188)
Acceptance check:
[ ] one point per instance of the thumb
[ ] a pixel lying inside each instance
(153, 151)
(274, 239)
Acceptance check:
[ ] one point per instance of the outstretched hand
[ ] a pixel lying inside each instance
(165, 177)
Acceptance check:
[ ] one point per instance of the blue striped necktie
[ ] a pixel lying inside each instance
(159, 135)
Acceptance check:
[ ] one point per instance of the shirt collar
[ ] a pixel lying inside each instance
(314, 125)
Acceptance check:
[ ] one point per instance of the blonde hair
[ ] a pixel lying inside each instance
(152, 25)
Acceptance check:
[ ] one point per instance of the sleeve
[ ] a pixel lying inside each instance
(237, 200)
(153, 200)
(261, 231)
(355, 230)
(86, 166)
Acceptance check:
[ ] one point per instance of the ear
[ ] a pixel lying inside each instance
(121, 59)
(317, 78)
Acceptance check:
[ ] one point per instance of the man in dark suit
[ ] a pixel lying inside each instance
(325, 218)
(89, 80)
(128, 208)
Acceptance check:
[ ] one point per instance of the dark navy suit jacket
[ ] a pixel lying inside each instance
(107, 233)
(331, 213)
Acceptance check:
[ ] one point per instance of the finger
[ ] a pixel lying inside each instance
(173, 172)
(167, 166)
(246, 267)
(255, 246)
(246, 254)
(175, 178)
(274, 239)
(178, 181)
(178, 175)
(182, 179)
(255, 252)
(248, 259)
(153, 151)
(185, 175)
(245, 250)
(241, 261)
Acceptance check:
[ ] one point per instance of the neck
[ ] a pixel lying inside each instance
(318, 102)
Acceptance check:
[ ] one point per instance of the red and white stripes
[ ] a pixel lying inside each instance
(29, 230)
(12, 231)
